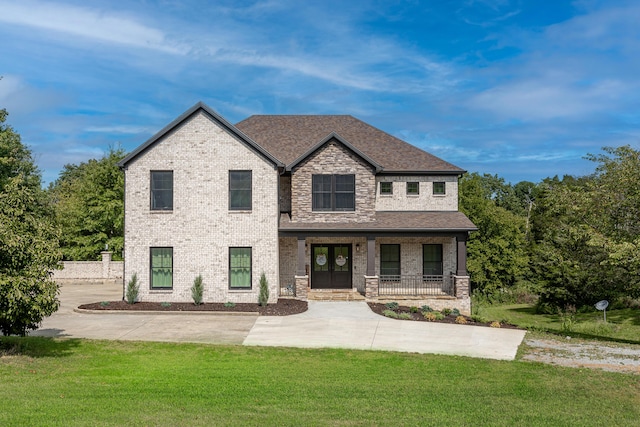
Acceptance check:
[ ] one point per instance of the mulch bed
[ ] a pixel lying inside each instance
(379, 308)
(284, 307)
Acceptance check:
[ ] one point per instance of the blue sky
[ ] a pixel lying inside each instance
(522, 89)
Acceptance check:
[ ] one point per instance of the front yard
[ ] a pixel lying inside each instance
(84, 382)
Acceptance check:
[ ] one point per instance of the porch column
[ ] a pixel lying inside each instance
(302, 280)
(462, 256)
(371, 256)
(300, 271)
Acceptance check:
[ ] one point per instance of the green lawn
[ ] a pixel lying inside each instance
(622, 325)
(82, 382)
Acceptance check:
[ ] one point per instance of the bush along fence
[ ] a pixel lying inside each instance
(90, 271)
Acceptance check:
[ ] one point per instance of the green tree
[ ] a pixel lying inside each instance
(89, 204)
(28, 239)
(498, 257)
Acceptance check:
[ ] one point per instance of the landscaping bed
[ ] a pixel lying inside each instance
(284, 307)
(417, 314)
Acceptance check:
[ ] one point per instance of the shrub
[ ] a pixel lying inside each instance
(455, 312)
(446, 311)
(165, 304)
(229, 304)
(413, 309)
(495, 324)
(430, 316)
(426, 309)
(392, 305)
(405, 316)
(197, 290)
(461, 320)
(104, 303)
(263, 298)
(132, 289)
(390, 313)
(439, 316)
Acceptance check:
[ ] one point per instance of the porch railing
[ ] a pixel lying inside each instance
(403, 285)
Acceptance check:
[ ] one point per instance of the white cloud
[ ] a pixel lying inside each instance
(106, 26)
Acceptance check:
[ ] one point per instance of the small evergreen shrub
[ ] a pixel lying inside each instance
(197, 290)
(446, 311)
(390, 313)
(104, 303)
(426, 309)
(413, 309)
(461, 320)
(439, 316)
(263, 298)
(455, 312)
(165, 304)
(229, 304)
(392, 305)
(132, 289)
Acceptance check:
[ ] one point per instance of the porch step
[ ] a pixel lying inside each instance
(334, 295)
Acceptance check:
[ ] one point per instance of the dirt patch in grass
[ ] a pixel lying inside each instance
(284, 307)
(380, 308)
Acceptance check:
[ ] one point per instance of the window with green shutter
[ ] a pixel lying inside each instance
(239, 268)
(161, 268)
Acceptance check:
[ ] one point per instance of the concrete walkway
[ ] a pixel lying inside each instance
(325, 324)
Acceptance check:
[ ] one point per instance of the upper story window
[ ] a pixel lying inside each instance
(240, 190)
(334, 192)
(413, 188)
(439, 188)
(386, 188)
(161, 190)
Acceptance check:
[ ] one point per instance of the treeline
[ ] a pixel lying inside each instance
(569, 241)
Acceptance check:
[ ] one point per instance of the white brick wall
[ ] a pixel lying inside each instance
(201, 228)
(424, 201)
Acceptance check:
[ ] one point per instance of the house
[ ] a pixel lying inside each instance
(315, 202)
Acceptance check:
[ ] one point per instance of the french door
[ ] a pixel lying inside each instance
(331, 266)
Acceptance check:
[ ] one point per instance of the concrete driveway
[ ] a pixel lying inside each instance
(325, 324)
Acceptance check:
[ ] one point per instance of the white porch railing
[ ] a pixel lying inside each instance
(403, 285)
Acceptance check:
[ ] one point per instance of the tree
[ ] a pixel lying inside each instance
(28, 239)
(498, 257)
(89, 204)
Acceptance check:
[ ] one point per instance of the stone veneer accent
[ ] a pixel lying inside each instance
(302, 287)
(461, 286)
(200, 229)
(371, 284)
(399, 200)
(333, 158)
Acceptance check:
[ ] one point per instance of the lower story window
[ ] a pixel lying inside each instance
(239, 268)
(161, 268)
(432, 260)
(390, 260)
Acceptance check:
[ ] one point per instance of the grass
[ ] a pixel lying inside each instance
(622, 325)
(83, 382)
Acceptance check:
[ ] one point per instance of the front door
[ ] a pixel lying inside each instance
(331, 266)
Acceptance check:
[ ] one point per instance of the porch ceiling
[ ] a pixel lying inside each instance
(396, 222)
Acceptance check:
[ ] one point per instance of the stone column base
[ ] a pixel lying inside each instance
(371, 286)
(461, 286)
(302, 287)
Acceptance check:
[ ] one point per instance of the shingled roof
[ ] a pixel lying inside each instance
(288, 137)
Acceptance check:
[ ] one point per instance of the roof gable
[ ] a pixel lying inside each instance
(212, 115)
(333, 137)
(290, 137)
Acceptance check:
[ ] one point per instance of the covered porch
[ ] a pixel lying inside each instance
(424, 265)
